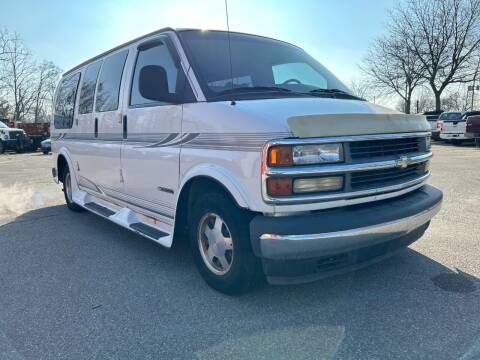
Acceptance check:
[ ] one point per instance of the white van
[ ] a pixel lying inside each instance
(247, 146)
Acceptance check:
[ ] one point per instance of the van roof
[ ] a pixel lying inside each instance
(152, 34)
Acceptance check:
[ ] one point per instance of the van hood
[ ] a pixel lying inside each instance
(319, 117)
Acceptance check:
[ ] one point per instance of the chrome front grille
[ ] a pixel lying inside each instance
(361, 150)
(388, 177)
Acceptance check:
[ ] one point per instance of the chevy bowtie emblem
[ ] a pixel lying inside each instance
(402, 163)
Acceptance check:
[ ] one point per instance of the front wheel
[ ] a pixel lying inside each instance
(68, 191)
(220, 242)
(2, 147)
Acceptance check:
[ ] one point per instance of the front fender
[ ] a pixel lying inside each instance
(223, 176)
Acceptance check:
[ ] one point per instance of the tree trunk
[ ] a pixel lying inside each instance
(408, 105)
(438, 101)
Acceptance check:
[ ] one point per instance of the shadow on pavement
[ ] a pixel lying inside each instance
(77, 286)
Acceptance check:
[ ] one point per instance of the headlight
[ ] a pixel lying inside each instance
(317, 154)
(286, 155)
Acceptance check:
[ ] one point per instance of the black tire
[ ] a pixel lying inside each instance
(245, 269)
(2, 147)
(70, 204)
(45, 152)
(20, 148)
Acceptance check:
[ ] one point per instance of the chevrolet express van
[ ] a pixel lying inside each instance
(248, 146)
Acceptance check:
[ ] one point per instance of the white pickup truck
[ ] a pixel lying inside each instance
(453, 127)
(14, 139)
(247, 146)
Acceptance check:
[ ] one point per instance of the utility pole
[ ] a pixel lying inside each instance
(474, 80)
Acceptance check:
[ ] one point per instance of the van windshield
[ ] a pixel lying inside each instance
(260, 67)
(3, 126)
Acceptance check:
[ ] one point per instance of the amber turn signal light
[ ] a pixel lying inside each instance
(280, 156)
(279, 186)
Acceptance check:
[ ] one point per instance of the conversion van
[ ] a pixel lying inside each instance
(248, 147)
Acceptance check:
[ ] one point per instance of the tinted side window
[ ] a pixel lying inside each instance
(108, 89)
(158, 55)
(65, 102)
(87, 91)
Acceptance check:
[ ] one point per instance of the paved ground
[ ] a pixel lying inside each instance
(73, 286)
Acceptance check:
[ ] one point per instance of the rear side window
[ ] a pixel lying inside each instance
(158, 55)
(65, 102)
(87, 90)
(108, 89)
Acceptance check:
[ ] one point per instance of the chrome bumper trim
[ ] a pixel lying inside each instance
(302, 199)
(347, 168)
(386, 230)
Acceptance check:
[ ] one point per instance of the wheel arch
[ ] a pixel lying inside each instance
(198, 182)
(63, 160)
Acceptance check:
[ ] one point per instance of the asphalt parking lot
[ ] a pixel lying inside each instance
(74, 286)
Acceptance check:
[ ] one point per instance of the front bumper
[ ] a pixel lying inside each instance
(292, 247)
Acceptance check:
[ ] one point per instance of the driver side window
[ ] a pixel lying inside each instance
(295, 73)
(157, 56)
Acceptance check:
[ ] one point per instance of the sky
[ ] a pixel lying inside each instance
(336, 32)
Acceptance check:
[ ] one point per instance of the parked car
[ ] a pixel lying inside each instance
(453, 125)
(14, 139)
(46, 146)
(248, 145)
(473, 128)
(432, 117)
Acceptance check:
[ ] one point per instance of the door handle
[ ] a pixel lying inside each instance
(96, 127)
(125, 127)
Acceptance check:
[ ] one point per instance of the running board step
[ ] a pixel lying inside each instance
(102, 210)
(148, 230)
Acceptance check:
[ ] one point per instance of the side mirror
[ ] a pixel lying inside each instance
(153, 83)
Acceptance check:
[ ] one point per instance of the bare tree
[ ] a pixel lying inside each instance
(17, 72)
(362, 88)
(443, 34)
(4, 109)
(393, 68)
(46, 78)
(424, 100)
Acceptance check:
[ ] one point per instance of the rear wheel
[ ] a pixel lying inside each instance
(68, 192)
(220, 242)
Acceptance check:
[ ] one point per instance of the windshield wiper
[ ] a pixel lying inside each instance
(333, 93)
(252, 89)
